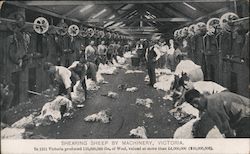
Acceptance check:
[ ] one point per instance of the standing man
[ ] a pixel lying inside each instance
(164, 51)
(228, 110)
(81, 52)
(139, 50)
(90, 52)
(115, 53)
(121, 49)
(186, 50)
(170, 55)
(177, 53)
(110, 52)
(152, 55)
(101, 51)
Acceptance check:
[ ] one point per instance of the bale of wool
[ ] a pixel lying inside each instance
(103, 116)
(149, 115)
(128, 55)
(52, 109)
(112, 94)
(145, 102)
(12, 133)
(206, 87)
(24, 122)
(185, 131)
(107, 69)
(132, 89)
(91, 85)
(100, 78)
(121, 60)
(139, 132)
(78, 94)
(133, 71)
(164, 82)
(193, 71)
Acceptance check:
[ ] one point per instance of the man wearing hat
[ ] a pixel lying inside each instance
(152, 55)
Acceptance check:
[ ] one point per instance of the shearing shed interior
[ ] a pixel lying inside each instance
(124, 69)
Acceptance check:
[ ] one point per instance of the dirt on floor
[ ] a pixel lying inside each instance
(126, 115)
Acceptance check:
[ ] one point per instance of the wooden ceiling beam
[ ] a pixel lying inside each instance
(37, 9)
(72, 11)
(86, 2)
(138, 19)
(122, 20)
(120, 8)
(201, 7)
(222, 10)
(127, 13)
(186, 9)
(170, 10)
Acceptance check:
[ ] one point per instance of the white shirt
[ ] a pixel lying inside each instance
(171, 50)
(208, 87)
(74, 64)
(157, 51)
(164, 49)
(63, 75)
(89, 50)
(101, 49)
(139, 46)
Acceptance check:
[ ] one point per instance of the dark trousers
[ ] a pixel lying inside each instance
(151, 72)
(243, 128)
(62, 90)
(109, 57)
(115, 57)
(141, 55)
(103, 59)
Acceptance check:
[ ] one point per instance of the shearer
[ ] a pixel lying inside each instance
(228, 110)
(89, 69)
(81, 69)
(78, 70)
(153, 53)
(62, 77)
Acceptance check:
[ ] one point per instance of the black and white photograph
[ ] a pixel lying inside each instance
(124, 69)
